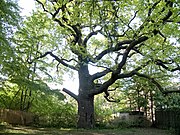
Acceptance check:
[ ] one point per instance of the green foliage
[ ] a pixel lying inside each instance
(170, 101)
(78, 40)
(9, 21)
(9, 13)
(135, 94)
(53, 112)
(21, 88)
(103, 111)
(37, 37)
(19, 94)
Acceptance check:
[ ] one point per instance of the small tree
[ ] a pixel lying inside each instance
(120, 38)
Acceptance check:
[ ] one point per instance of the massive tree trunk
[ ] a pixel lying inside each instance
(85, 100)
(86, 112)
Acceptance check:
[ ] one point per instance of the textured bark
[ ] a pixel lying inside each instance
(86, 112)
(85, 99)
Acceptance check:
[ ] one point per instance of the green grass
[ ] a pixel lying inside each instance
(22, 130)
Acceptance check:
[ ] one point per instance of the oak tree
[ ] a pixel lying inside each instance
(120, 38)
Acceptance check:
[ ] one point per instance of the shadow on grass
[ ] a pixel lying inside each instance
(22, 130)
(27, 130)
(13, 134)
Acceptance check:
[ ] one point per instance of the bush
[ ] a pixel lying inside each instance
(135, 121)
(55, 113)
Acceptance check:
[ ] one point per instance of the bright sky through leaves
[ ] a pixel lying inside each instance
(72, 84)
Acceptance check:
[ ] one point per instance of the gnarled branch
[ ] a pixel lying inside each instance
(70, 93)
(90, 35)
(118, 47)
(116, 76)
(111, 99)
(163, 65)
(61, 61)
(100, 74)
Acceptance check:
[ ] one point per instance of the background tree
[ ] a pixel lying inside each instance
(9, 13)
(19, 82)
(9, 62)
(122, 39)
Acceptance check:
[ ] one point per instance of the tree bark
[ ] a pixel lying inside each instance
(86, 112)
(85, 99)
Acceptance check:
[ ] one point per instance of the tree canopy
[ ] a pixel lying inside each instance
(132, 36)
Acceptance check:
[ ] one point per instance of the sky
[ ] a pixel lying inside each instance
(27, 6)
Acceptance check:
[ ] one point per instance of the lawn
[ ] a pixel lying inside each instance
(22, 130)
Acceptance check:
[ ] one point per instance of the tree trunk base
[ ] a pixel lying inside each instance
(86, 113)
